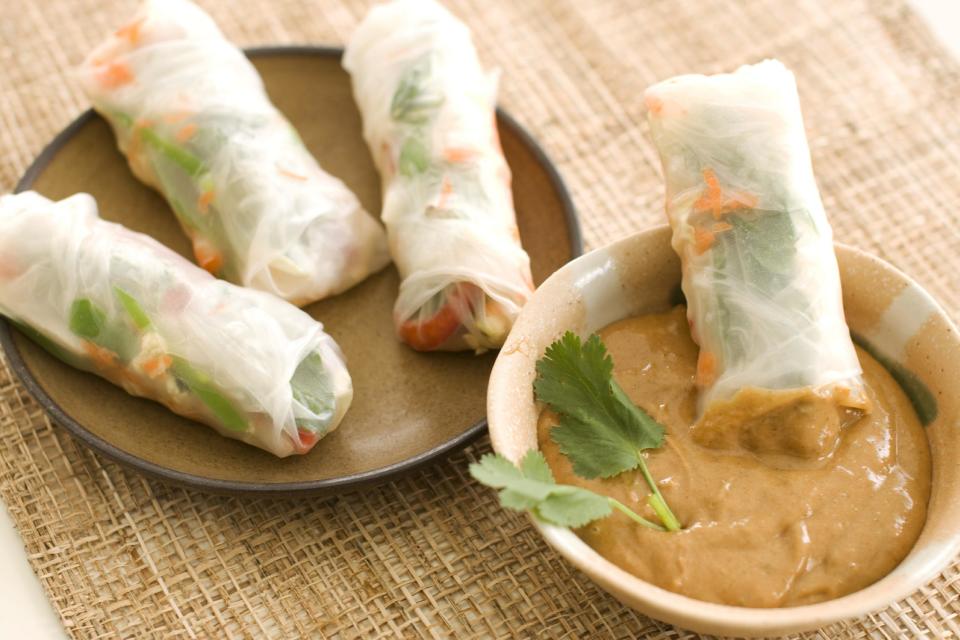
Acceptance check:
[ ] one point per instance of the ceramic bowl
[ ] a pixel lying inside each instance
(887, 312)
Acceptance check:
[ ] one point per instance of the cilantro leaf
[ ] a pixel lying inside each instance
(600, 429)
(574, 507)
(532, 488)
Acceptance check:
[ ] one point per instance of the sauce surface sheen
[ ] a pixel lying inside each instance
(755, 535)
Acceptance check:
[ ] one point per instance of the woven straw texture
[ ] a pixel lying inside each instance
(433, 555)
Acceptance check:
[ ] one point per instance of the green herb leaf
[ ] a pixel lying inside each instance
(311, 386)
(414, 157)
(532, 488)
(600, 430)
(411, 102)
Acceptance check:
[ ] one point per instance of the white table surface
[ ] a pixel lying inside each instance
(24, 609)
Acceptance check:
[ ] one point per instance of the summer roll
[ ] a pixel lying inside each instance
(117, 303)
(428, 118)
(190, 113)
(759, 271)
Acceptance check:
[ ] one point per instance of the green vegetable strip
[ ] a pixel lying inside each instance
(133, 308)
(202, 386)
(180, 156)
(186, 160)
(86, 318)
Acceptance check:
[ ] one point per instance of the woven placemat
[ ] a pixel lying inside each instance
(433, 555)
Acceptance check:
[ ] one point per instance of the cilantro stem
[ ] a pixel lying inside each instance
(663, 511)
(630, 513)
(656, 500)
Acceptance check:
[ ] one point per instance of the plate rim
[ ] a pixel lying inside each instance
(337, 484)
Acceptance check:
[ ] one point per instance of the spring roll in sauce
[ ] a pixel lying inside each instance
(428, 118)
(759, 272)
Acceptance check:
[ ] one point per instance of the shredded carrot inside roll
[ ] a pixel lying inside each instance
(130, 31)
(290, 174)
(208, 256)
(703, 239)
(101, 357)
(114, 75)
(458, 154)
(203, 202)
(706, 368)
(654, 104)
(720, 227)
(157, 366)
(446, 190)
(186, 132)
(176, 116)
(714, 202)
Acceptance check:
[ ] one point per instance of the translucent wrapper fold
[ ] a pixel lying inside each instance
(759, 271)
(428, 118)
(119, 304)
(190, 113)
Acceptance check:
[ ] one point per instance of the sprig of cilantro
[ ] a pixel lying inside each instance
(532, 487)
(600, 429)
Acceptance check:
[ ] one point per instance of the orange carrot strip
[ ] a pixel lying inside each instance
(712, 198)
(706, 368)
(186, 132)
(290, 174)
(714, 202)
(176, 116)
(114, 75)
(101, 357)
(720, 227)
(702, 240)
(458, 154)
(157, 365)
(446, 190)
(654, 104)
(130, 31)
(203, 202)
(745, 200)
(208, 256)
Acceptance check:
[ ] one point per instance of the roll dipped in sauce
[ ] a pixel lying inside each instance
(777, 370)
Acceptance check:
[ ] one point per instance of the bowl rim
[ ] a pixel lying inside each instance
(702, 615)
(333, 485)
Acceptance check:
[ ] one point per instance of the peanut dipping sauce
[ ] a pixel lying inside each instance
(755, 535)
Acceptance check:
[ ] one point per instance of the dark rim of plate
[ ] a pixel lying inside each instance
(329, 485)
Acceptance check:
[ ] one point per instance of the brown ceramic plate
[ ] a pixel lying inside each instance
(408, 407)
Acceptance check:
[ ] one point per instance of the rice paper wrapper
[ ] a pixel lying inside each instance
(119, 304)
(191, 114)
(429, 120)
(759, 270)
